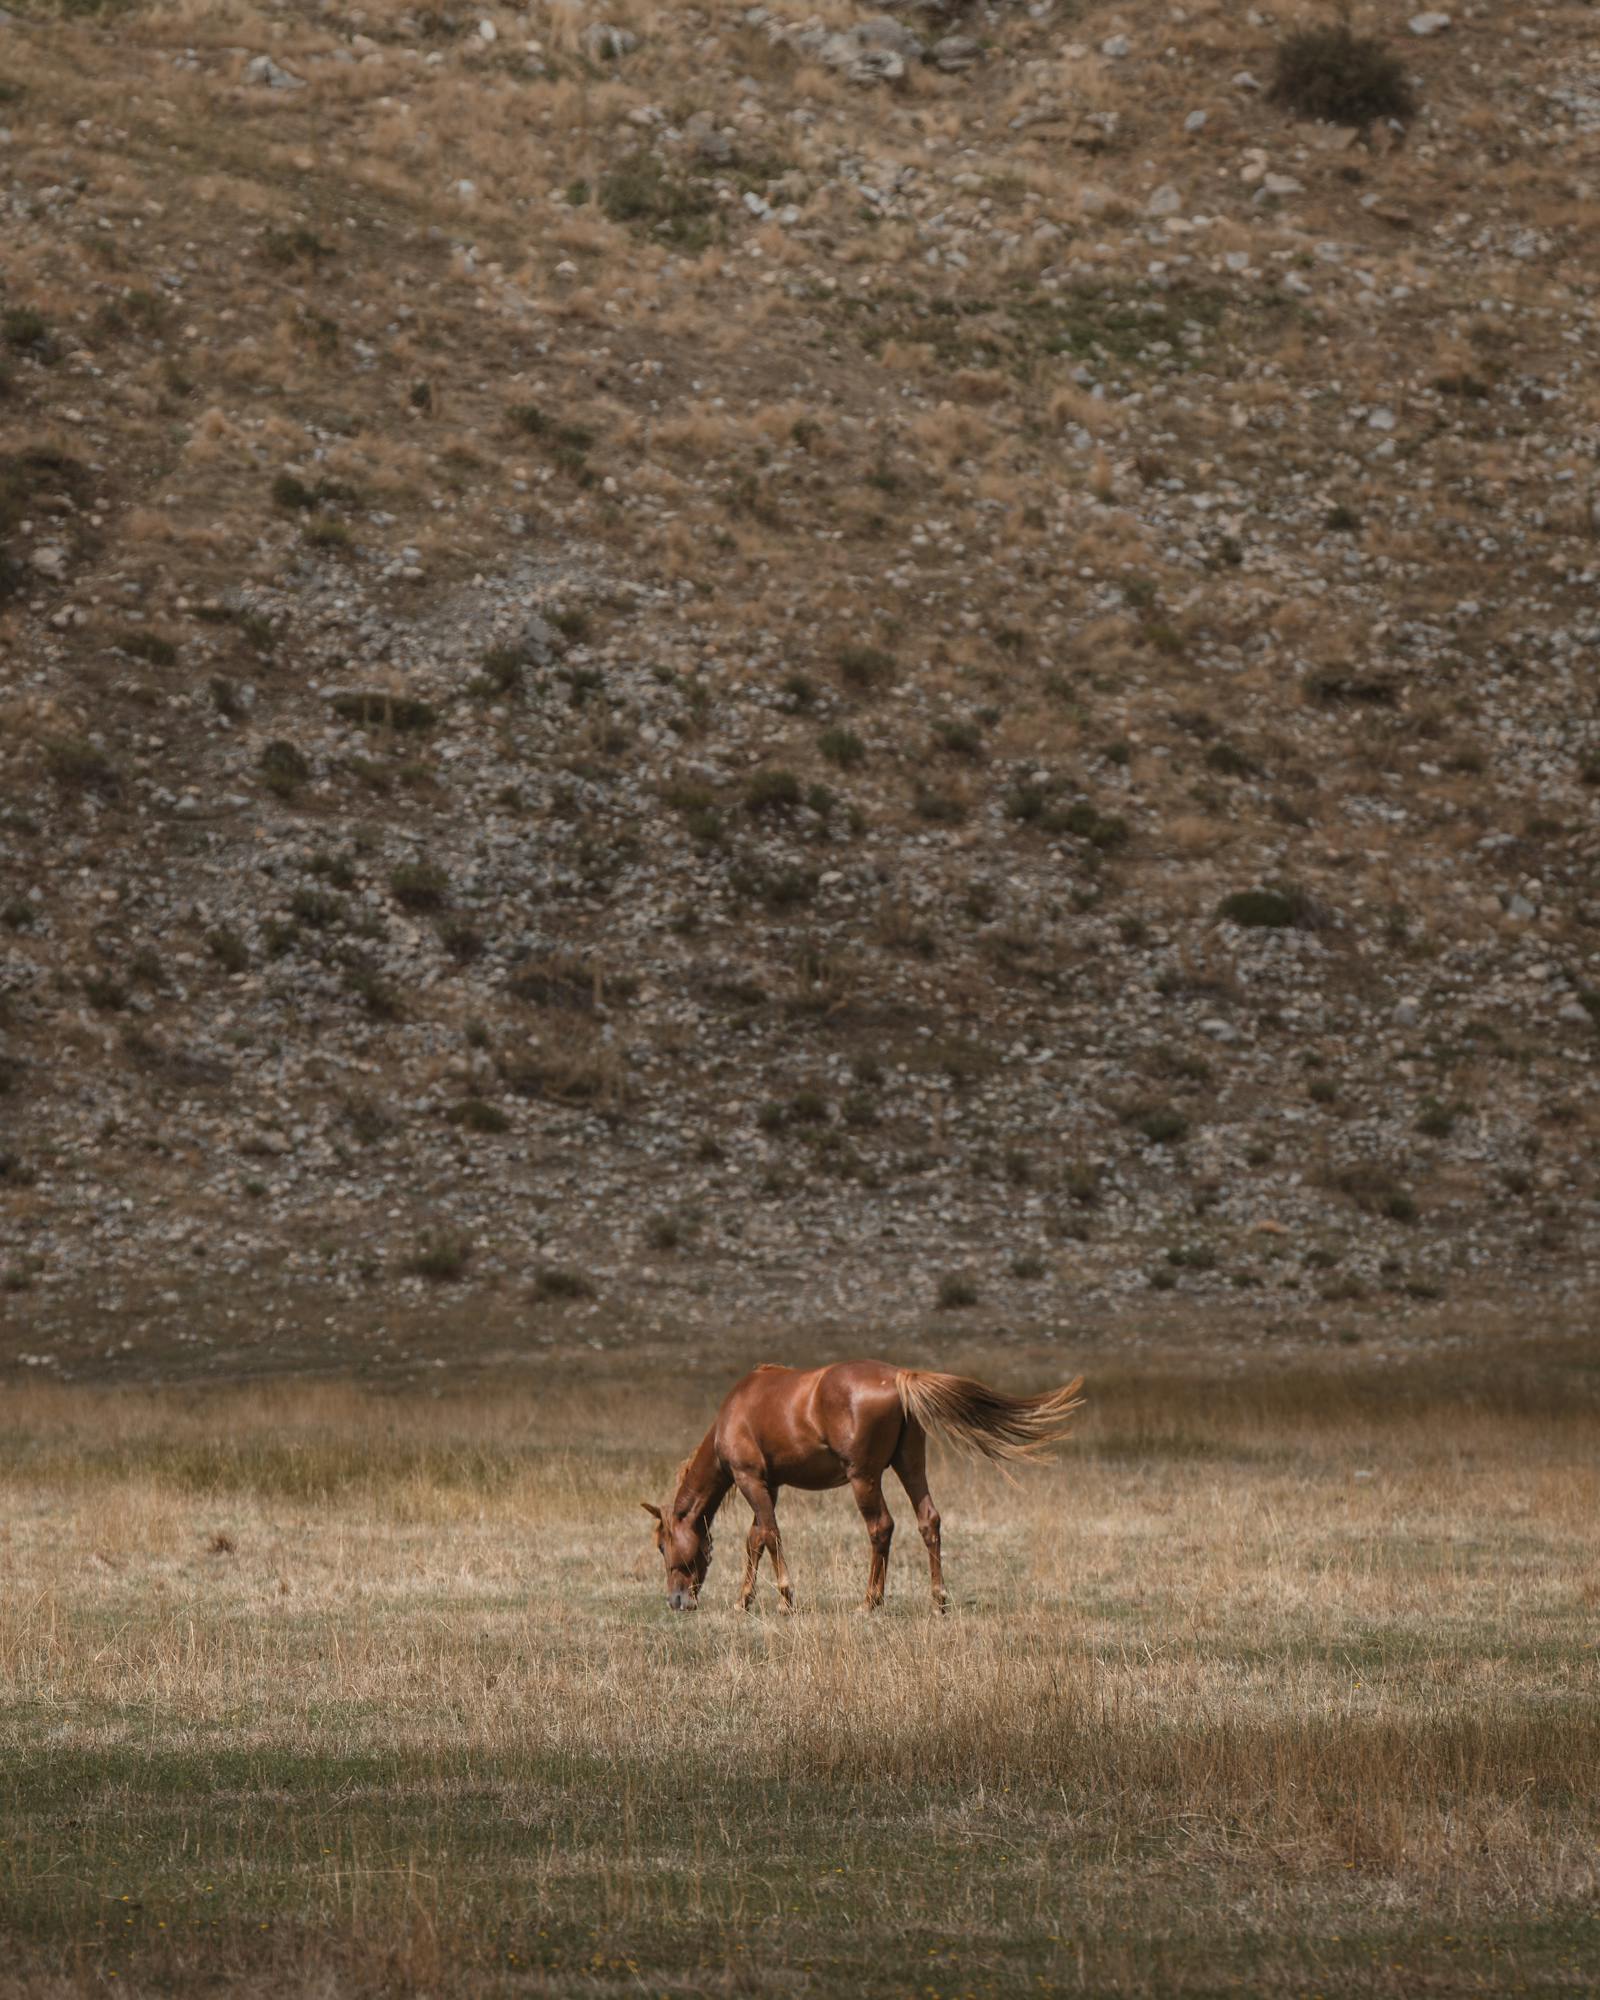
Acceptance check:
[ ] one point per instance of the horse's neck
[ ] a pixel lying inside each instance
(705, 1481)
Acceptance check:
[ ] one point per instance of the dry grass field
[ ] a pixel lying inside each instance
(1283, 1684)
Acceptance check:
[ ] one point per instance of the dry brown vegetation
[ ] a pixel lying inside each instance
(1282, 1684)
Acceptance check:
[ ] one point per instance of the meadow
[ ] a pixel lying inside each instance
(1278, 1684)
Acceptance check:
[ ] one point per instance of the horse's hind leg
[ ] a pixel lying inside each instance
(880, 1531)
(911, 1464)
(763, 1536)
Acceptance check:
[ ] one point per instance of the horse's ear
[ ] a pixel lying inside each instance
(650, 1507)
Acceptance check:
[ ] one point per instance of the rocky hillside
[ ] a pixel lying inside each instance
(720, 661)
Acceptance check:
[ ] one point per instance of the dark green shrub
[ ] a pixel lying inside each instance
(385, 711)
(842, 747)
(441, 1258)
(1333, 74)
(419, 885)
(554, 1283)
(284, 769)
(477, 1115)
(866, 668)
(772, 791)
(148, 646)
(1263, 909)
(79, 764)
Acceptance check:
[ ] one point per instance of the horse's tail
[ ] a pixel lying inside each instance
(973, 1417)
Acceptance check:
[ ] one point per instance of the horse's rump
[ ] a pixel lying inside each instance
(976, 1418)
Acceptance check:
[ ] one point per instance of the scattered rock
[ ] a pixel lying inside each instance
(262, 70)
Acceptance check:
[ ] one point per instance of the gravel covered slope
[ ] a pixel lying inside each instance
(725, 661)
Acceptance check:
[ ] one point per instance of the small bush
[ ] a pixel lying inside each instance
(150, 647)
(665, 1232)
(938, 807)
(501, 672)
(385, 711)
(554, 1283)
(842, 747)
(463, 941)
(956, 1292)
(419, 885)
(1337, 685)
(1160, 1124)
(316, 909)
(284, 768)
(866, 668)
(293, 494)
(960, 739)
(1437, 1120)
(1263, 909)
(80, 765)
(369, 1121)
(1375, 1191)
(373, 991)
(1333, 74)
(772, 791)
(642, 192)
(477, 1115)
(441, 1259)
(104, 993)
(1228, 761)
(25, 331)
(326, 531)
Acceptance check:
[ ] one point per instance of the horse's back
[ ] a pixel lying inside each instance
(810, 1424)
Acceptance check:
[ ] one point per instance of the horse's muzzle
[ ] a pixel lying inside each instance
(682, 1600)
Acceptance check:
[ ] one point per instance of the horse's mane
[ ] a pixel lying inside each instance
(708, 1513)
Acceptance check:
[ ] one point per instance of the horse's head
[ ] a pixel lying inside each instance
(685, 1544)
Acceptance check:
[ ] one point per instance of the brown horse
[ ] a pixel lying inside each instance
(822, 1427)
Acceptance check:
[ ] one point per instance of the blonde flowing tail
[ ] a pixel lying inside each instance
(1009, 1429)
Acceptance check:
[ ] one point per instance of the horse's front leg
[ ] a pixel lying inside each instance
(754, 1543)
(763, 1536)
(880, 1531)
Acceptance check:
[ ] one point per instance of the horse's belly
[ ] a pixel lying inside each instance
(815, 1473)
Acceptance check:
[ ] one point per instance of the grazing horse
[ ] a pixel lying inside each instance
(844, 1425)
